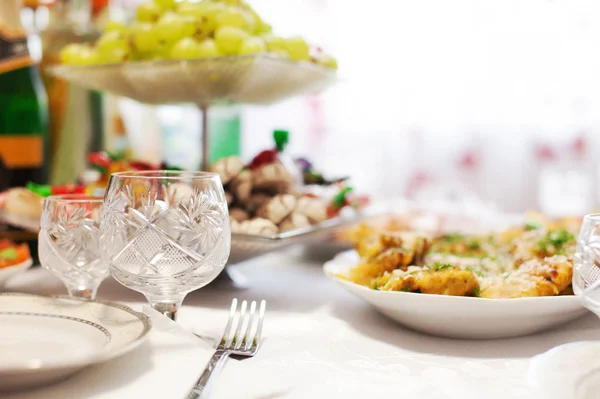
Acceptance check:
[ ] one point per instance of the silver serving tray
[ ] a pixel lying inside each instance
(247, 246)
(243, 246)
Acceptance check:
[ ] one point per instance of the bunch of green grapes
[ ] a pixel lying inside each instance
(166, 29)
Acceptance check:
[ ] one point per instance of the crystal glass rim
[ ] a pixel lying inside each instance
(74, 198)
(592, 216)
(165, 174)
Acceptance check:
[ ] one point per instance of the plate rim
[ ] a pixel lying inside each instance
(94, 358)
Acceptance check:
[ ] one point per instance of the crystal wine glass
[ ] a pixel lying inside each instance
(165, 233)
(68, 242)
(586, 271)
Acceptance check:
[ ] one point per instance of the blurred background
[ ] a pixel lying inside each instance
(489, 101)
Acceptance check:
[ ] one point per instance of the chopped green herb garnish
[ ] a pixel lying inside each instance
(453, 237)
(406, 287)
(476, 292)
(8, 254)
(505, 277)
(474, 245)
(477, 272)
(557, 239)
(440, 266)
(533, 225)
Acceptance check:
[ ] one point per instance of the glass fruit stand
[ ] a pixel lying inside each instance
(252, 79)
(206, 53)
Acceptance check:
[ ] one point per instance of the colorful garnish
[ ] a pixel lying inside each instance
(13, 254)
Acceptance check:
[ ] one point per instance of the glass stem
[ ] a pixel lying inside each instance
(80, 292)
(169, 309)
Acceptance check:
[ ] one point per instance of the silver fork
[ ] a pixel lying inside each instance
(245, 345)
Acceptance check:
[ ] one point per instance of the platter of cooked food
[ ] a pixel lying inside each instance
(499, 284)
(14, 259)
(274, 201)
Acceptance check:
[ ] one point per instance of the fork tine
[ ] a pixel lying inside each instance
(245, 322)
(240, 320)
(261, 317)
(227, 331)
(247, 339)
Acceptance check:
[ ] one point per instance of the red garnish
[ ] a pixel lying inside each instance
(264, 158)
(137, 165)
(67, 189)
(101, 159)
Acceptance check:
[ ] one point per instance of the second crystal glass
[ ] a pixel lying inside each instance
(69, 242)
(165, 233)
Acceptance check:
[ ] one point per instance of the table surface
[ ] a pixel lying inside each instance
(332, 344)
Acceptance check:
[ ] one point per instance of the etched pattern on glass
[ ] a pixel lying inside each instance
(586, 271)
(69, 243)
(166, 240)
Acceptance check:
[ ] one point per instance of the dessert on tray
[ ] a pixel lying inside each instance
(267, 196)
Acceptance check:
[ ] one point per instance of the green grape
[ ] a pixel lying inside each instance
(252, 45)
(327, 61)
(237, 18)
(148, 12)
(162, 52)
(205, 14)
(113, 56)
(114, 26)
(264, 28)
(190, 48)
(256, 20)
(229, 39)
(185, 48)
(70, 53)
(165, 4)
(209, 48)
(230, 2)
(86, 56)
(170, 28)
(297, 48)
(144, 37)
(191, 26)
(274, 42)
(111, 41)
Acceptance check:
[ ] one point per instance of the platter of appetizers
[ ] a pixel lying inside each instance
(497, 284)
(274, 200)
(14, 259)
(199, 52)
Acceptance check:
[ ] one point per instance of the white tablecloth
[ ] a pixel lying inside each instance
(334, 345)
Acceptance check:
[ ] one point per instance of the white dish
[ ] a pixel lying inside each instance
(461, 317)
(47, 339)
(6, 273)
(570, 371)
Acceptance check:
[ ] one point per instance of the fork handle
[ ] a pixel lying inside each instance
(213, 368)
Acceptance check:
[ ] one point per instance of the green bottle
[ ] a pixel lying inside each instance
(23, 106)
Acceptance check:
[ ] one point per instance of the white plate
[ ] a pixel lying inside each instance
(6, 273)
(46, 339)
(461, 317)
(570, 371)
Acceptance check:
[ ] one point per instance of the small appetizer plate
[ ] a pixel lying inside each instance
(8, 272)
(47, 339)
(460, 317)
